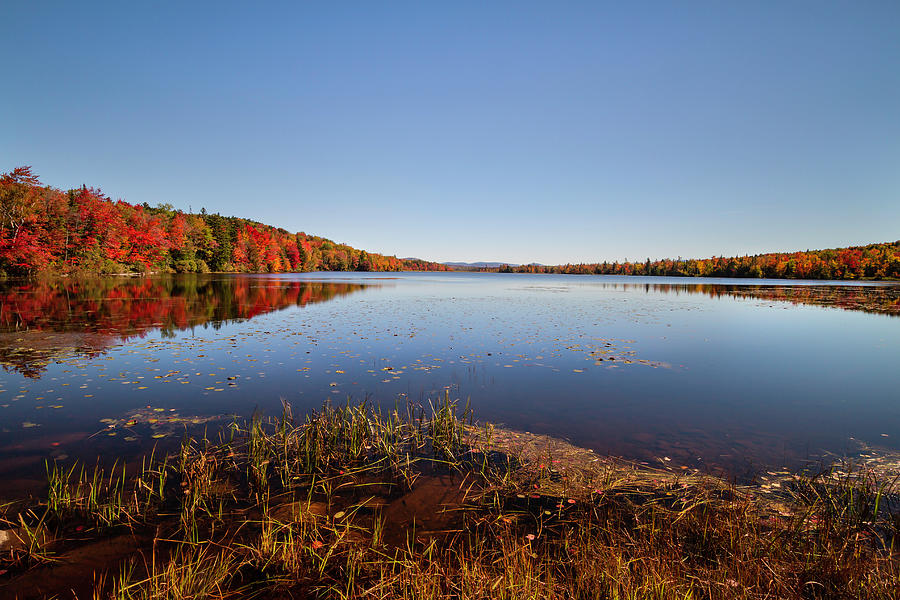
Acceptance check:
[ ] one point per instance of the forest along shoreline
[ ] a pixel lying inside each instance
(81, 230)
(352, 502)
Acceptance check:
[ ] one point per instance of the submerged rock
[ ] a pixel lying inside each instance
(10, 540)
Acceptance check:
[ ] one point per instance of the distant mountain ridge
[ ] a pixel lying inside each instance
(480, 264)
(487, 265)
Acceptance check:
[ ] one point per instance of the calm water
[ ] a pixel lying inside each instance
(715, 373)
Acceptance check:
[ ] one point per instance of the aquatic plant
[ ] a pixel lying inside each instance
(356, 502)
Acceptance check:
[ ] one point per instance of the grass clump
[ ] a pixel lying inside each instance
(418, 502)
(197, 573)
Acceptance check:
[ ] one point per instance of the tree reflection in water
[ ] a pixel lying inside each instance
(46, 320)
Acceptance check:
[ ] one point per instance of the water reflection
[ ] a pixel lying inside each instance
(41, 321)
(866, 297)
(711, 373)
(877, 299)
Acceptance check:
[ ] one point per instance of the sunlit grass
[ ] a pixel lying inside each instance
(419, 502)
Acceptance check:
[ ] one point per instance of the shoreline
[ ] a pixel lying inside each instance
(765, 280)
(408, 502)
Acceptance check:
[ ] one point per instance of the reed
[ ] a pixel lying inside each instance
(190, 572)
(353, 502)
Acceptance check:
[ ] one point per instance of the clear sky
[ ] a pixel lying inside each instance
(514, 131)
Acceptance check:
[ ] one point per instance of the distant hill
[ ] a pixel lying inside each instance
(479, 265)
(43, 229)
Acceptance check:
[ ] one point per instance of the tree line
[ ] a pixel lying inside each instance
(873, 261)
(43, 229)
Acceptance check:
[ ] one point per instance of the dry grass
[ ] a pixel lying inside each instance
(418, 503)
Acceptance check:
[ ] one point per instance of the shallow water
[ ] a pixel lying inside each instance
(719, 374)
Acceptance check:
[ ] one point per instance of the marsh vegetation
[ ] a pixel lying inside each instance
(355, 501)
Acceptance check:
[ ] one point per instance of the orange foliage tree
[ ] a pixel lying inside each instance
(43, 229)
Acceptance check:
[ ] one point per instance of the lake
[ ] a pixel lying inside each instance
(731, 376)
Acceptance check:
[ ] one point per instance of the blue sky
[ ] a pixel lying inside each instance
(515, 131)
